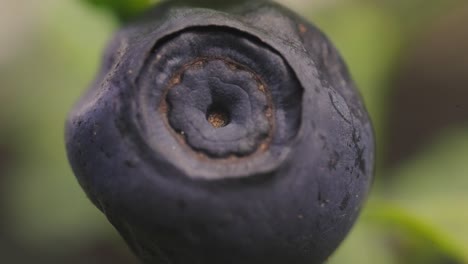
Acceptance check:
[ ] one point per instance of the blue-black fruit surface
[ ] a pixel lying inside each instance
(224, 135)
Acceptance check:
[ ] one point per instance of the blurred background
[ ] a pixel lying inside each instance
(408, 57)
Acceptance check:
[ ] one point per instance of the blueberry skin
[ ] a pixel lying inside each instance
(281, 180)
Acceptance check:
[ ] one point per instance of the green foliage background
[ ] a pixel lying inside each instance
(417, 212)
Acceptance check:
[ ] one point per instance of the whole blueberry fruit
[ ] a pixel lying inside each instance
(224, 135)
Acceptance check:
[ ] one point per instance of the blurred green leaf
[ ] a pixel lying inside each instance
(46, 203)
(415, 239)
(434, 187)
(387, 233)
(123, 9)
(415, 15)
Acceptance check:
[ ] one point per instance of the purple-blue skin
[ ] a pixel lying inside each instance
(227, 135)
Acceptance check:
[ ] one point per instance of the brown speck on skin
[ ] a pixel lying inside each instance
(198, 64)
(218, 119)
(302, 28)
(175, 80)
(232, 66)
(164, 107)
(261, 87)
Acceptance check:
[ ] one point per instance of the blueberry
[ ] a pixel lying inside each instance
(228, 135)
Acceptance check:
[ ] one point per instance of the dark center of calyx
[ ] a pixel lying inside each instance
(220, 108)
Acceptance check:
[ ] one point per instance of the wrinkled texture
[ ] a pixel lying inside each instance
(289, 195)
